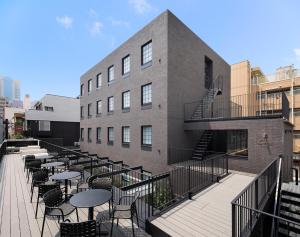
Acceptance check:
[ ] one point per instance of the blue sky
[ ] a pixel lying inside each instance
(49, 44)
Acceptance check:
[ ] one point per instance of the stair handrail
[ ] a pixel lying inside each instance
(277, 194)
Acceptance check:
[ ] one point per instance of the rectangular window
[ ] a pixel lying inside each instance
(126, 100)
(98, 135)
(99, 107)
(147, 135)
(89, 110)
(81, 134)
(126, 65)
(111, 74)
(81, 112)
(89, 135)
(99, 80)
(147, 52)
(90, 85)
(44, 125)
(81, 90)
(147, 94)
(208, 71)
(110, 104)
(49, 108)
(110, 135)
(125, 135)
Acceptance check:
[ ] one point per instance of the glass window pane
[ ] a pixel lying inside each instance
(99, 107)
(147, 94)
(126, 65)
(110, 104)
(90, 85)
(126, 99)
(126, 134)
(147, 135)
(110, 134)
(99, 80)
(111, 74)
(147, 53)
(98, 135)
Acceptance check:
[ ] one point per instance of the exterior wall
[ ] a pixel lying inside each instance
(154, 160)
(261, 151)
(186, 78)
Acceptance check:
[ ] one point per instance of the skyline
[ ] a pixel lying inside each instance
(59, 41)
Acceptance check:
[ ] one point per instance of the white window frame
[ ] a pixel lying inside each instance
(99, 80)
(110, 134)
(147, 97)
(110, 104)
(90, 85)
(111, 74)
(126, 65)
(99, 106)
(125, 134)
(126, 100)
(146, 133)
(147, 52)
(98, 134)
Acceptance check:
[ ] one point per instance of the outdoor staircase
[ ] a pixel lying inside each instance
(201, 147)
(289, 209)
(204, 108)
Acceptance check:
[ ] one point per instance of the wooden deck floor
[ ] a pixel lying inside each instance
(208, 214)
(17, 213)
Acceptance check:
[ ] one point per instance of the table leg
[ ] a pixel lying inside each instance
(91, 213)
(66, 189)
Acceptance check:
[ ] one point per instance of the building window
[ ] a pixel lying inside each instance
(147, 52)
(110, 135)
(99, 80)
(44, 125)
(90, 86)
(89, 135)
(111, 74)
(81, 134)
(126, 65)
(147, 135)
(99, 107)
(208, 71)
(98, 135)
(49, 108)
(125, 135)
(110, 107)
(126, 100)
(89, 110)
(81, 90)
(81, 112)
(147, 94)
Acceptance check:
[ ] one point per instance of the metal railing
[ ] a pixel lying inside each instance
(241, 106)
(253, 199)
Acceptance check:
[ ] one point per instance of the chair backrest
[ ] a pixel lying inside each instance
(100, 183)
(34, 164)
(44, 188)
(53, 197)
(29, 158)
(82, 229)
(40, 175)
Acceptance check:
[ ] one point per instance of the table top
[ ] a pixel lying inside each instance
(90, 198)
(52, 164)
(43, 157)
(65, 175)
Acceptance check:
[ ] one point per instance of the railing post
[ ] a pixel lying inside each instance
(256, 193)
(189, 183)
(91, 168)
(233, 220)
(212, 170)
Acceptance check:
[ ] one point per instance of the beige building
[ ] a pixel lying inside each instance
(262, 93)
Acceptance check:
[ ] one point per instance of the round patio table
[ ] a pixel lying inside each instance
(66, 175)
(52, 165)
(90, 199)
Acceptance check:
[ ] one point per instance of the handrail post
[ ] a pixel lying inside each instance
(189, 183)
(233, 220)
(256, 193)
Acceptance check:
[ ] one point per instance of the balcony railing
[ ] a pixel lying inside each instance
(241, 106)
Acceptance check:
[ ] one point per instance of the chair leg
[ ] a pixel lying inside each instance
(132, 225)
(31, 193)
(77, 214)
(118, 222)
(44, 219)
(37, 206)
(137, 218)
(112, 226)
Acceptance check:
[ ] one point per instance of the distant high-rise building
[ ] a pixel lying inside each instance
(27, 102)
(9, 88)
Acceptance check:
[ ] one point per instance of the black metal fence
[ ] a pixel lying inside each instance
(249, 205)
(240, 106)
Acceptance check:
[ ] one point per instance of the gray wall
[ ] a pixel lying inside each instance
(260, 151)
(186, 54)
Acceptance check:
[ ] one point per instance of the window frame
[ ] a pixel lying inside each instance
(89, 110)
(110, 142)
(48, 127)
(123, 65)
(82, 89)
(123, 107)
(99, 79)
(82, 112)
(98, 113)
(142, 136)
(123, 133)
(142, 95)
(109, 75)
(90, 86)
(81, 134)
(143, 63)
(108, 104)
(98, 136)
(89, 134)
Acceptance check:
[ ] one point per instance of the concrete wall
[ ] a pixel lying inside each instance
(186, 78)
(155, 159)
(261, 151)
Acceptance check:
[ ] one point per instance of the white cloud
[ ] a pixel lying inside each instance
(120, 23)
(297, 53)
(140, 6)
(96, 27)
(93, 13)
(65, 21)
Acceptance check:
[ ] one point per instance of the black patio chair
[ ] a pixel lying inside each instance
(125, 211)
(38, 177)
(42, 189)
(79, 229)
(33, 166)
(56, 206)
(27, 159)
